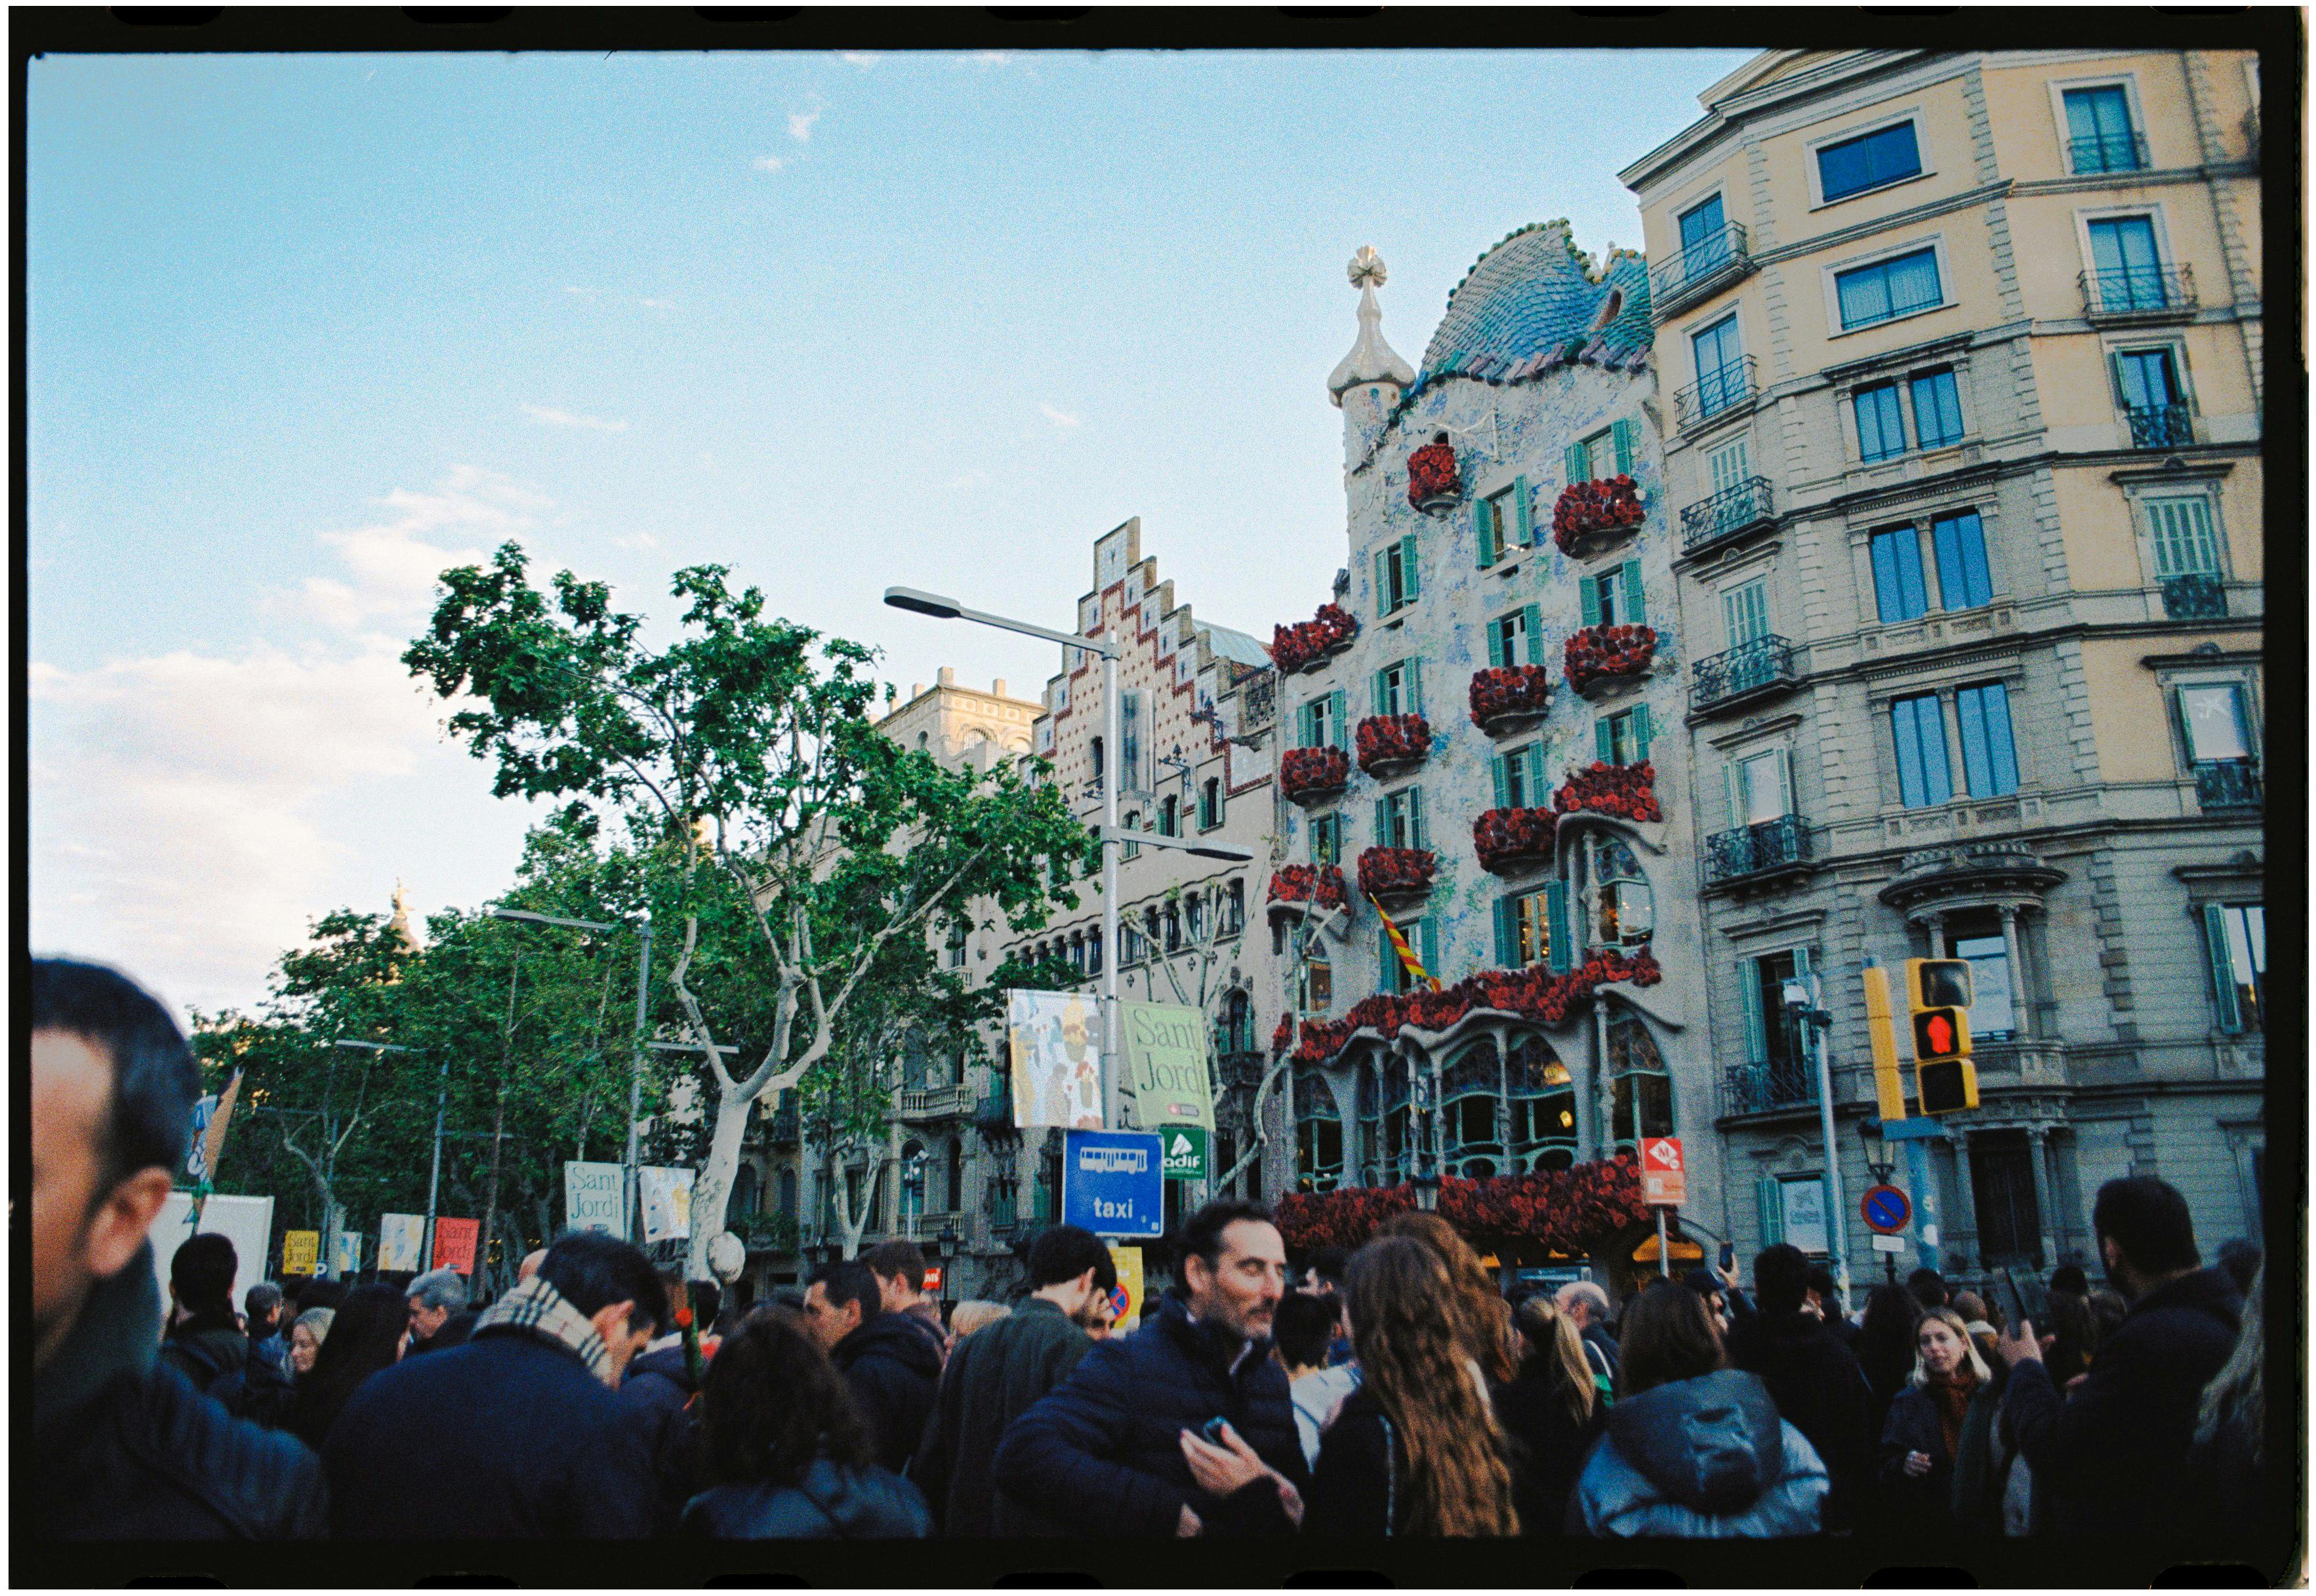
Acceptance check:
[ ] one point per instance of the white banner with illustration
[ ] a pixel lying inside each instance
(1055, 1039)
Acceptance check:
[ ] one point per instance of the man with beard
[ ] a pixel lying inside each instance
(995, 1375)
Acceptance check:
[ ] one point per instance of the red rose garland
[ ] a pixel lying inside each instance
(1569, 1211)
(1626, 792)
(1532, 994)
(1431, 474)
(1321, 884)
(1500, 836)
(1304, 643)
(1305, 771)
(1386, 870)
(1509, 690)
(1393, 739)
(1587, 507)
(1600, 651)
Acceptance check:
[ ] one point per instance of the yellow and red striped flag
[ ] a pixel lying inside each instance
(1412, 965)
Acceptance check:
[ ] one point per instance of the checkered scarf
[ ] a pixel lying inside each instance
(536, 1309)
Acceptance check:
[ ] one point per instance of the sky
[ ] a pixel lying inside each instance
(303, 330)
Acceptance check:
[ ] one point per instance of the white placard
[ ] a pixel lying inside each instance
(594, 1197)
(401, 1241)
(667, 1203)
(1804, 1205)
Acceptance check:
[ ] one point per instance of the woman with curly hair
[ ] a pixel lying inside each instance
(792, 1457)
(1415, 1450)
(1482, 1316)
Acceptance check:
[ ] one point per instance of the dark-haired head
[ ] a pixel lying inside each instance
(1929, 1288)
(148, 1117)
(2144, 1232)
(1302, 1328)
(2069, 1279)
(1202, 1232)
(201, 1276)
(1781, 1279)
(365, 1336)
(773, 1403)
(901, 1263)
(1065, 1252)
(1669, 1335)
(592, 1271)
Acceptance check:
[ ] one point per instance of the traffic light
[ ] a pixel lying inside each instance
(1938, 994)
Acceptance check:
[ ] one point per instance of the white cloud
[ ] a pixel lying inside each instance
(862, 58)
(570, 418)
(573, 288)
(1061, 418)
(391, 566)
(800, 124)
(770, 163)
(986, 59)
(636, 540)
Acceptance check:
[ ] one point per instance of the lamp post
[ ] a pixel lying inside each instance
(433, 1181)
(1112, 838)
(635, 1059)
(1876, 1143)
(1811, 1022)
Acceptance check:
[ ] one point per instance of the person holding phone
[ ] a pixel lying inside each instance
(1940, 1454)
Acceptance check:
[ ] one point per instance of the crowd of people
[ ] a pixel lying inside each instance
(1397, 1391)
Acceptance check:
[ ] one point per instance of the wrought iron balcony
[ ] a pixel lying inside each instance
(1761, 1088)
(2138, 293)
(2197, 595)
(1763, 665)
(2160, 426)
(1728, 515)
(768, 1232)
(787, 1121)
(1728, 391)
(2108, 152)
(1699, 272)
(1754, 853)
(1241, 1066)
(2228, 783)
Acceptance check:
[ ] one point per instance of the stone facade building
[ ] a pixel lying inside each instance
(1485, 735)
(1961, 355)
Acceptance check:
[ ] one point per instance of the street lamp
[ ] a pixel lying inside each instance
(1871, 1135)
(433, 1181)
(1427, 1192)
(635, 1060)
(1802, 996)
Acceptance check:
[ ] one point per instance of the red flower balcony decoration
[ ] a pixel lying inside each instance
(1531, 993)
(1389, 743)
(1504, 696)
(1508, 840)
(1433, 484)
(1283, 1038)
(1590, 514)
(1314, 775)
(1304, 643)
(1398, 872)
(1623, 792)
(1599, 655)
(1572, 1211)
(1319, 885)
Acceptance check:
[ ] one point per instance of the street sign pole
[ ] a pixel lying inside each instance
(1664, 1252)
(1918, 1134)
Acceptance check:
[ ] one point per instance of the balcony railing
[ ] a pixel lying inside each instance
(1709, 264)
(1759, 1088)
(2195, 596)
(2228, 783)
(1761, 665)
(1724, 392)
(1728, 515)
(935, 1103)
(2138, 293)
(2160, 426)
(1752, 852)
(925, 1228)
(2108, 152)
(1241, 1066)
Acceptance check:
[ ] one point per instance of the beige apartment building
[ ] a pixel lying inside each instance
(1960, 364)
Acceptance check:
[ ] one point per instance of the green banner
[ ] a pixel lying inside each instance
(1166, 1060)
(1184, 1148)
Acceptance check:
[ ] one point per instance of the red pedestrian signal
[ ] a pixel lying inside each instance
(1940, 1033)
(1938, 993)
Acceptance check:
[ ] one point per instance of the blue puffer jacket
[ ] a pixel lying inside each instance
(1103, 1452)
(829, 1504)
(1699, 1459)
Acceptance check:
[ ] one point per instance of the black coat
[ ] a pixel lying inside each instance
(1820, 1390)
(655, 1399)
(1103, 1453)
(1938, 1503)
(2112, 1455)
(1548, 1444)
(452, 1331)
(894, 1369)
(1358, 1486)
(260, 1390)
(993, 1376)
(507, 1437)
(205, 1349)
(829, 1504)
(129, 1450)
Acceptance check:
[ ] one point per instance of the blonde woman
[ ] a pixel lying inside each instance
(1935, 1466)
(1552, 1411)
(969, 1316)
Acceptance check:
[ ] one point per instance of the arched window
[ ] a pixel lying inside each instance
(788, 1194)
(1167, 824)
(1097, 761)
(1238, 1022)
(745, 1196)
(1318, 1134)
(1174, 928)
(913, 1181)
(1642, 1083)
(1196, 911)
(1235, 909)
(1469, 1089)
(1625, 911)
(1542, 1099)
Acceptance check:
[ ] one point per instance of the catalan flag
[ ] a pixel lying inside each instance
(1412, 965)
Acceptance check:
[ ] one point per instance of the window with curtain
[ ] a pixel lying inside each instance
(1720, 376)
(1919, 725)
(1703, 238)
(2126, 271)
(1318, 1133)
(1959, 541)
(1888, 290)
(2238, 934)
(1762, 790)
(1899, 591)
(1989, 762)
(1542, 1098)
(1881, 426)
(1641, 1085)
(1937, 409)
(1886, 155)
(2100, 134)
(2217, 727)
(1327, 839)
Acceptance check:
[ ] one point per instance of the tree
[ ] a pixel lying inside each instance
(740, 761)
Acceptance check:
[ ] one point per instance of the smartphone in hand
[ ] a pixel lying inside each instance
(1212, 1430)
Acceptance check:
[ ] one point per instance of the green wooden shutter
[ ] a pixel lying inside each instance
(1576, 463)
(1409, 570)
(1640, 733)
(1749, 986)
(1604, 743)
(1484, 532)
(1383, 823)
(1534, 754)
(1636, 612)
(2224, 974)
(1627, 436)
(1532, 622)
(1588, 598)
(1376, 691)
(1419, 835)
(1428, 946)
(1383, 583)
(1555, 920)
(1503, 784)
(1413, 677)
(1337, 721)
(1507, 934)
(1496, 643)
(1769, 1200)
(1390, 976)
(1307, 726)
(1523, 518)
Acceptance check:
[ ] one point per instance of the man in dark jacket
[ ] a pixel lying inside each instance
(893, 1367)
(517, 1434)
(900, 1270)
(2112, 1453)
(1117, 1451)
(260, 1387)
(657, 1398)
(126, 1447)
(995, 1376)
(1812, 1376)
(205, 1337)
(1825, 1302)
(440, 1318)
